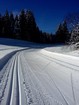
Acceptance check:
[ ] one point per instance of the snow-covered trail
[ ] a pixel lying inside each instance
(38, 77)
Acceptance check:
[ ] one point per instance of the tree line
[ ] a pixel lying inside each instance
(23, 26)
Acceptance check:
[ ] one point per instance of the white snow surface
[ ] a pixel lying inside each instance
(34, 75)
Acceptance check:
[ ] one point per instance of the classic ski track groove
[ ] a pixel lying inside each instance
(19, 74)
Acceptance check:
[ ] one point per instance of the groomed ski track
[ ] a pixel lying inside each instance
(39, 77)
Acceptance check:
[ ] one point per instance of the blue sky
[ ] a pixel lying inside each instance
(48, 13)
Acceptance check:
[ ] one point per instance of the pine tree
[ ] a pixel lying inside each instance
(6, 20)
(62, 33)
(1, 26)
(12, 23)
(17, 28)
(75, 34)
(66, 32)
(59, 33)
(22, 27)
(22, 22)
(31, 26)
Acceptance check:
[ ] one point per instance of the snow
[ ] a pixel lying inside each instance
(65, 49)
(61, 48)
(38, 75)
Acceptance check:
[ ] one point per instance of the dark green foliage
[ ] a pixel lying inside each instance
(6, 25)
(12, 26)
(62, 34)
(31, 26)
(23, 26)
(17, 28)
(1, 25)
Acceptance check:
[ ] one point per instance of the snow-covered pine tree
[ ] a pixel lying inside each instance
(75, 34)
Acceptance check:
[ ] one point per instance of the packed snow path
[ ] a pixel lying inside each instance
(39, 77)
